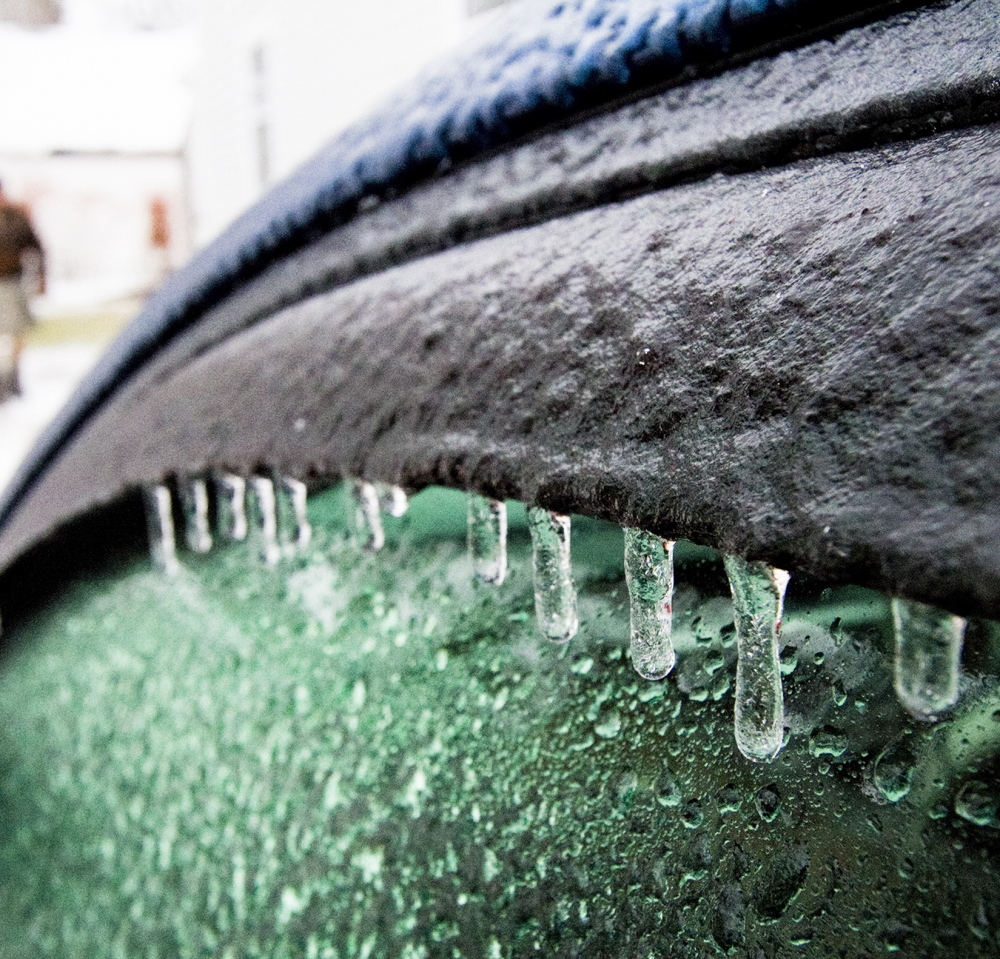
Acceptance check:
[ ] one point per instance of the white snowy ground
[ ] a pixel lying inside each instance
(48, 375)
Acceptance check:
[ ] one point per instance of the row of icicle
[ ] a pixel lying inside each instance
(271, 511)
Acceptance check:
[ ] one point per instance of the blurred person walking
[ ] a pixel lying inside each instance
(22, 273)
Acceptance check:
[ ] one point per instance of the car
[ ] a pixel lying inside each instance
(719, 274)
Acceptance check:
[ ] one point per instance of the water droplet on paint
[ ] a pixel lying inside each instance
(893, 772)
(488, 538)
(294, 527)
(263, 520)
(928, 654)
(649, 573)
(828, 741)
(160, 525)
(758, 595)
(977, 803)
(610, 725)
(767, 802)
(366, 516)
(231, 498)
(555, 597)
(194, 507)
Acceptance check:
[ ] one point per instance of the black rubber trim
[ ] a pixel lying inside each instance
(798, 365)
(906, 76)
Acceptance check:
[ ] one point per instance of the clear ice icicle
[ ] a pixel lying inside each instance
(366, 519)
(488, 538)
(392, 499)
(758, 595)
(928, 656)
(555, 597)
(649, 573)
(231, 506)
(194, 506)
(160, 524)
(294, 527)
(263, 520)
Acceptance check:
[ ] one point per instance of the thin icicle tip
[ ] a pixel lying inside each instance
(392, 499)
(365, 516)
(555, 597)
(231, 511)
(294, 529)
(649, 574)
(758, 596)
(194, 506)
(158, 507)
(488, 538)
(264, 520)
(928, 657)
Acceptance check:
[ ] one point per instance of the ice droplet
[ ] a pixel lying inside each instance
(555, 597)
(294, 527)
(649, 573)
(160, 524)
(488, 538)
(194, 505)
(263, 520)
(231, 503)
(928, 654)
(758, 595)
(976, 802)
(893, 771)
(392, 499)
(366, 519)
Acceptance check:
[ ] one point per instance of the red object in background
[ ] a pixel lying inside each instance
(159, 223)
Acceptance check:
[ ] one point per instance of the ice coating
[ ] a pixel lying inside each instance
(366, 520)
(555, 597)
(294, 526)
(758, 595)
(160, 525)
(194, 505)
(263, 520)
(488, 538)
(649, 573)
(231, 506)
(928, 657)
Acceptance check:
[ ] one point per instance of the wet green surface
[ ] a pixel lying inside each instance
(371, 756)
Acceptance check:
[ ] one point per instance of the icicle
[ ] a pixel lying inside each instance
(194, 506)
(392, 499)
(758, 595)
(928, 654)
(263, 520)
(160, 524)
(231, 500)
(649, 573)
(555, 597)
(294, 527)
(488, 538)
(367, 521)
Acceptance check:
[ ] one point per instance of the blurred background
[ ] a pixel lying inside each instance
(133, 131)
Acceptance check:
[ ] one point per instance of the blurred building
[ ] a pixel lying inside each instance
(278, 78)
(92, 136)
(29, 13)
(136, 130)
